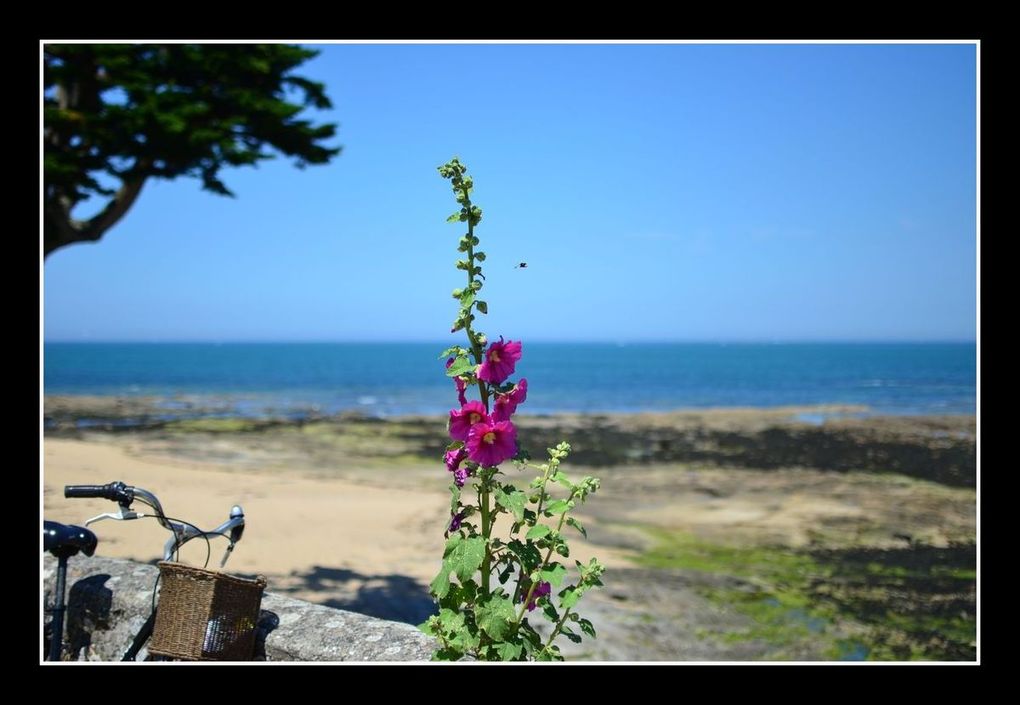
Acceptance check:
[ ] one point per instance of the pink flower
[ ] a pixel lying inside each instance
(461, 386)
(542, 590)
(454, 458)
(506, 404)
(462, 419)
(489, 443)
(499, 361)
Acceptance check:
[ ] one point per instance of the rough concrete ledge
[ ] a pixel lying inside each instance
(109, 599)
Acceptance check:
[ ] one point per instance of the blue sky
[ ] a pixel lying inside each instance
(657, 192)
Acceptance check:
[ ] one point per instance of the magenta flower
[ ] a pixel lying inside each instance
(489, 443)
(462, 419)
(455, 521)
(460, 476)
(542, 590)
(499, 361)
(506, 404)
(461, 386)
(454, 458)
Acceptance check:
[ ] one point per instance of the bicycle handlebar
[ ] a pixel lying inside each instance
(124, 495)
(114, 491)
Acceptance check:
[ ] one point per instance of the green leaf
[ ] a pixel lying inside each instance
(554, 574)
(528, 554)
(569, 598)
(466, 299)
(454, 218)
(460, 366)
(440, 585)
(561, 477)
(550, 612)
(587, 627)
(513, 501)
(465, 639)
(466, 557)
(453, 351)
(447, 655)
(452, 543)
(576, 638)
(450, 620)
(508, 651)
(538, 531)
(530, 639)
(550, 654)
(429, 626)
(577, 525)
(494, 616)
(559, 506)
(461, 594)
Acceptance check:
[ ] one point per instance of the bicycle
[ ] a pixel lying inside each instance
(181, 532)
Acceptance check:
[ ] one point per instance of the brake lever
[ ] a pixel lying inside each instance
(227, 554)
(123, 514)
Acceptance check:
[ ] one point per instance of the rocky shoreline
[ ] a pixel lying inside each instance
(937, 448)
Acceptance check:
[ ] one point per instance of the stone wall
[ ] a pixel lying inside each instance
(109, 600)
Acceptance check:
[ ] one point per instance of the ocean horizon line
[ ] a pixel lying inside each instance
(400, 377)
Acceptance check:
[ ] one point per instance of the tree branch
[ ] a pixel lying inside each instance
(61, 229)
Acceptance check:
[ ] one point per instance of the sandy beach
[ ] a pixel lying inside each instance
(339, 518)
(293, 523)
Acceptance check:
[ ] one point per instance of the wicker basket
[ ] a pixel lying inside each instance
(204, 615)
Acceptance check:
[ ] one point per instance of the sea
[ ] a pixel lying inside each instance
(390, 379)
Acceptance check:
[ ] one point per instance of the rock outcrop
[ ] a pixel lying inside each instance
(109, 600)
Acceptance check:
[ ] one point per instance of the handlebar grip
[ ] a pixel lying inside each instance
(114, 491)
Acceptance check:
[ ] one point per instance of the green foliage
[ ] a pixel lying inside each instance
(125, 113)
(460, 366)
(466, 556)
(904, 604)
(512, 500)
(479, 619)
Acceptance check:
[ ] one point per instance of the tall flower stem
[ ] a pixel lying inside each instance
(483, 391)
(534, 584)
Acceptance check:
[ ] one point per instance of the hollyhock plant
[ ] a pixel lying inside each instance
(482, 614)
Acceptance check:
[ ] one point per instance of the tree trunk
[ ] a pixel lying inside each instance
(60, 229)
